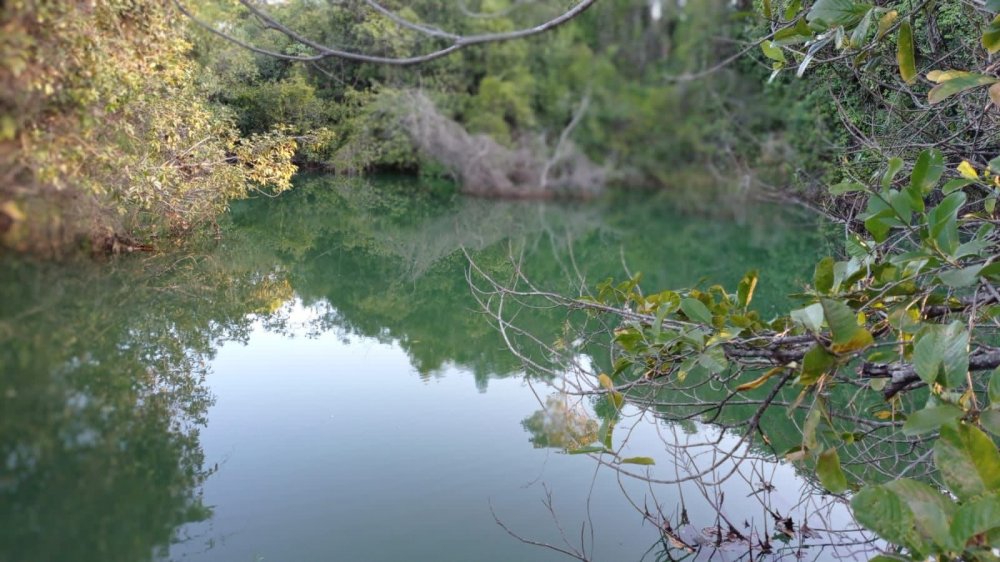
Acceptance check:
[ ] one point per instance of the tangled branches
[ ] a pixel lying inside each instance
(884, 364)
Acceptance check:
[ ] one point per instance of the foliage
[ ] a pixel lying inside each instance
(107, 135)
(869, 65)
(903, 323)
(615, 55)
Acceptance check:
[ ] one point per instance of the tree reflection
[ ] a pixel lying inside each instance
(388, 260)
(102, 396)
(706, 452)
(102, 390)
(560, 425)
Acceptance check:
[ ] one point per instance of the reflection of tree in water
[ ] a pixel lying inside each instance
(713, 441)
(388, 263)
(102, 390)
(102, 395)
(705, 495)
(560, 425)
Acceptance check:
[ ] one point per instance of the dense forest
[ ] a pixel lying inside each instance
(134, 125)
(149, 124)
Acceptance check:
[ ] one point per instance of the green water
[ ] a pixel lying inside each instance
(319, 383)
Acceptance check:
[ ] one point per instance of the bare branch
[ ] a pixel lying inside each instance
(325, 51)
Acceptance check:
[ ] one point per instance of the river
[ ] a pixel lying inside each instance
(319, 383)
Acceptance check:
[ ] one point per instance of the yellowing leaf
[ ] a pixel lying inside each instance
(905, 54)
(967, 171)
(957, 84)
(995, 94)
(757, 382)
(885, 22)
(12, 210)
(605, 381)
(797, 454)
(991, 37)
(938, 76)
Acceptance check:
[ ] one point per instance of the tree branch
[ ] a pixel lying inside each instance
(325, 51)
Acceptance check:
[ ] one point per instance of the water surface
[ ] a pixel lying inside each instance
(320, 384)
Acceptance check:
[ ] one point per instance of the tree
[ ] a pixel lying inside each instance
(889, 359)
(107, 137)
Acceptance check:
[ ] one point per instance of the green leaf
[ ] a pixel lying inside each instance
(956, 184)
(956, 85)
(904, 53)
(930, 419)
(837, 12)
(773, 51)
(994, 387)
(902, 204)
(881, 510)
(798, 33)
(941, 354)
(990, 420)
(846, 187)
(905, 320)
(665, 300)
(895, 165)
(810, 317)
(830, 474)
(823, 275)
(606, 432)
(744, 292)
(931, 510)
(861, 31)
(991, 37)
(638, 460)
(927, 171)
(714, 360)
(878, 226)
(847, 335)
(793, 9)
(696, 311)
(629, 339)
(967, 460)
(975, 518)
(810, 425)
(816, 363)
(942, 221)
(587, 450)
(961, 277)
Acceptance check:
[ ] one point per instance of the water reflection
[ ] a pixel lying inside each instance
(561, 425)
(103, 394)
(107, 380)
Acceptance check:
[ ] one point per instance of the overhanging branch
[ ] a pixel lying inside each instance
(322, 51)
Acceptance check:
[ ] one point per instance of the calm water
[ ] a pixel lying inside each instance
(321, 385)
